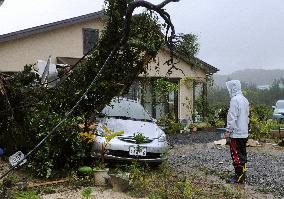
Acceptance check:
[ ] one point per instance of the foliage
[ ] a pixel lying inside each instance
(261, 112)
(163, 87)
(260, 122)
(139, 138)
(88, 137)
(220, 123)
(76, 181)
(187, 46)
(137, 177)
(193, 125)
(171, 126)
(166, 183)
(85, 170)
(203, 125)
(7, 187)
(27, 195)
(188, 81)
(86, 193)
(260, 125)
(255, 96)
(29, 110)
(216, 115)
(108, 135)
(174, 127)
(63, 151)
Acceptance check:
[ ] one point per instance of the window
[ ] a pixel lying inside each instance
(90, 39)
(157, 106)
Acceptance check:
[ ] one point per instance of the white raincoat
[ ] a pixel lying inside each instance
(237, 118)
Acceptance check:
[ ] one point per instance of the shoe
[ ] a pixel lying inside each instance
(234, 180)
(240, 173)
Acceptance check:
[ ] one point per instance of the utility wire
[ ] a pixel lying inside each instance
(58, 78)
(112, 53)
(123, 40)
(72, 67)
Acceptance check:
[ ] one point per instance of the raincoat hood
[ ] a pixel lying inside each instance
(234, 87)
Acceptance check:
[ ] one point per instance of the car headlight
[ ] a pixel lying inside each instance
(162, 138)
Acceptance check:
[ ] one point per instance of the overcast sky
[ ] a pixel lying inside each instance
(233, 34)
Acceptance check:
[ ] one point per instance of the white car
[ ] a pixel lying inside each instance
(278, 112)
(130, 117)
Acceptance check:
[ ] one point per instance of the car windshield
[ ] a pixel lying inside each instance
(280, 104)
(123, 109)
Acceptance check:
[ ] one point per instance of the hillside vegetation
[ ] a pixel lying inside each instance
(251, 76)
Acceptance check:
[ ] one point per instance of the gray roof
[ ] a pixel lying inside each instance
(74, 20)
(209, 68)
(50, 26)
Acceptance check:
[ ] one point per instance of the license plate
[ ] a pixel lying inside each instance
(137, 151)
(16, 158)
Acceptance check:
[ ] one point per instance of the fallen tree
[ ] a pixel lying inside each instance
(29, 110)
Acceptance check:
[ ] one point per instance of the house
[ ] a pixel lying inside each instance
(68, 40)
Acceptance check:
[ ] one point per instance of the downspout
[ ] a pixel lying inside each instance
(193, 100)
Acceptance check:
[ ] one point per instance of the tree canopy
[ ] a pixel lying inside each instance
(30, 110)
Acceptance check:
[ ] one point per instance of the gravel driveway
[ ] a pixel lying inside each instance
(197, 151)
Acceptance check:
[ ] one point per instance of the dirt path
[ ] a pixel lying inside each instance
(69, 193)
(98, 193)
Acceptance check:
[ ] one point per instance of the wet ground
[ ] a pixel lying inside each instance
(196, 151)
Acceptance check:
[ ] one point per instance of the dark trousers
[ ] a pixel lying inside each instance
(239, 156)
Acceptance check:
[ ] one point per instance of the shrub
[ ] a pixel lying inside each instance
(64, 151)
(170, 124)
(260, 124)
(217, 115)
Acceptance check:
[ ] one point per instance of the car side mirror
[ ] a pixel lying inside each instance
(274, 107)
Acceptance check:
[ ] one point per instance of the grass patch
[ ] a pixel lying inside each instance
(165, 183)
(153, 182)
(27, 195)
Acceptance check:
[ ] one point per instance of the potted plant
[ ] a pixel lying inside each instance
(274, 131)
(120, 180)
(193, 127)
(100, 170)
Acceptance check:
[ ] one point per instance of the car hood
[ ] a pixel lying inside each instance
(280, 110)
(131, 127)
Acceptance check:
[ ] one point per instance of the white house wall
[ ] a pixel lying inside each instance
(62, 42)
(185, 104)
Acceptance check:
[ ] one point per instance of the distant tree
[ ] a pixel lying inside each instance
(256, 96)
(187, 45)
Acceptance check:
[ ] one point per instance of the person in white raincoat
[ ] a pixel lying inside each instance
(237, 129)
